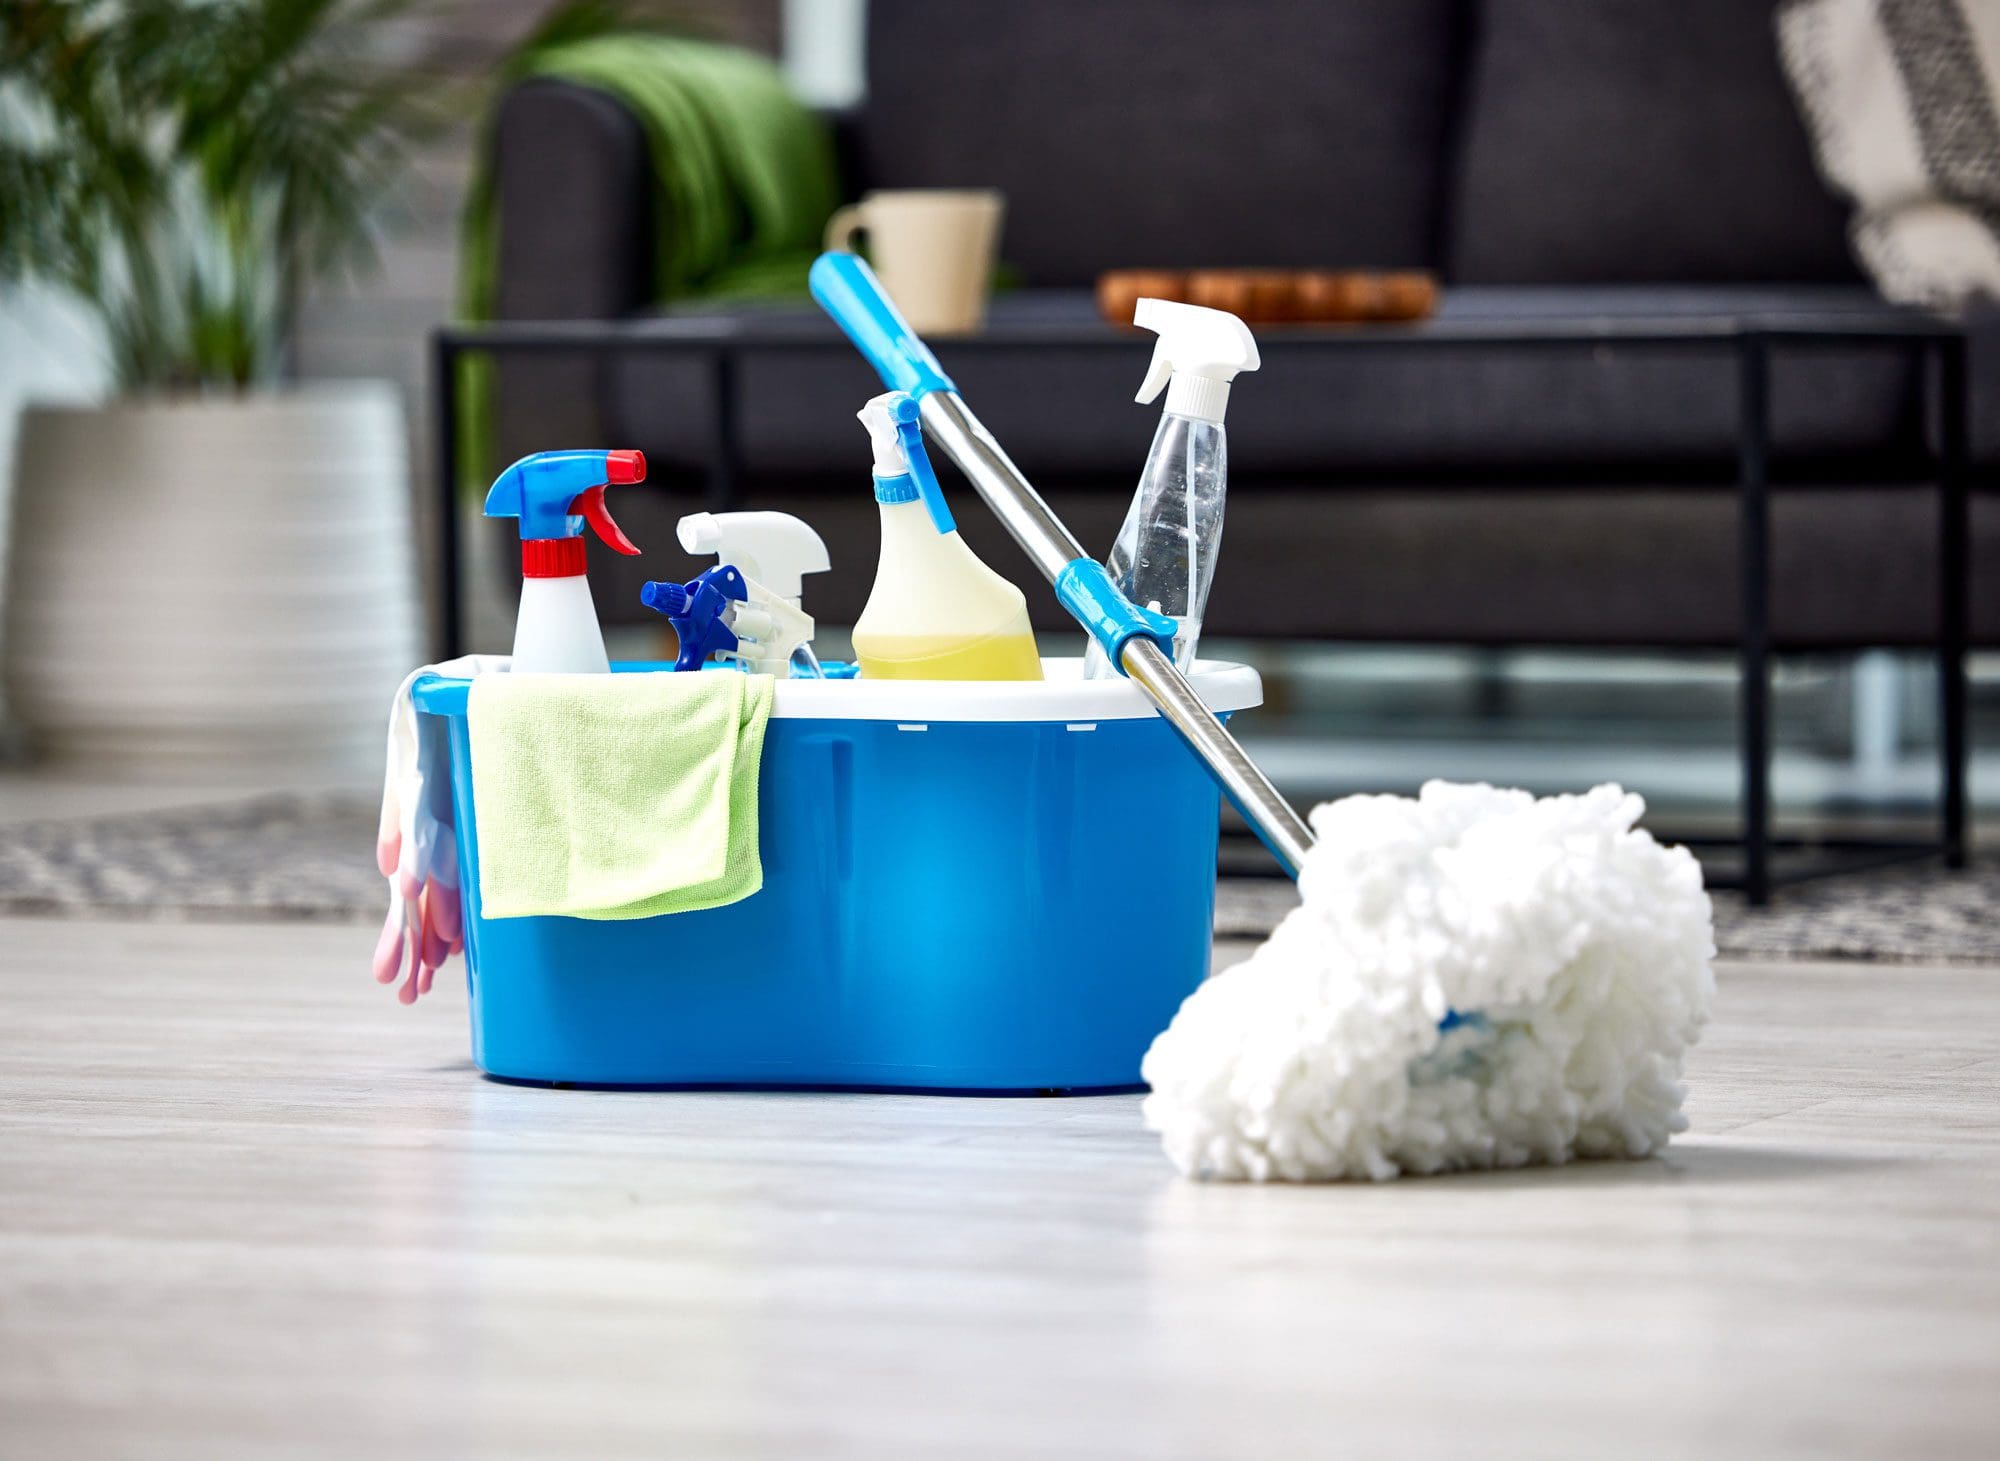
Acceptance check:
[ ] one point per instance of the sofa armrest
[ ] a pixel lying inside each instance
(573, 185)
(574, 211)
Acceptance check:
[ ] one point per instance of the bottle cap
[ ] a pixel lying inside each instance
(554, 493)
(895, 428)
(775, 549)
(1200, 350)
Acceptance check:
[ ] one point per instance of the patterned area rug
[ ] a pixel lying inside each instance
(1913, 914)
(286, 857)
(293, 857)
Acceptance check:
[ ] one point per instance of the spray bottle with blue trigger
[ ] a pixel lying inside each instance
(554, 494)
(702, 611)
(746, 611)
(936, 611)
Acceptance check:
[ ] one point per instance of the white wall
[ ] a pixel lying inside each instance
(822, 50)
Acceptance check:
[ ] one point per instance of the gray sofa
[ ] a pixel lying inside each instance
(1623, 158)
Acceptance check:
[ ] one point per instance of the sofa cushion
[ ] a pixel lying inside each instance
(1065, 411)
(1850, 566)
(1636, 141)
(1136, 132)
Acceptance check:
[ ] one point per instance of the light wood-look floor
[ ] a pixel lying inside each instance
(249, 1206)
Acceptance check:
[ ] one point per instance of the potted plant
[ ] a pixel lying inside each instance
(212, 563)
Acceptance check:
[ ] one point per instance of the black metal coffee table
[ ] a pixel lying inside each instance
(724, 340)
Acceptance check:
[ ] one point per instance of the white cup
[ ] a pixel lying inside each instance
(932, 248)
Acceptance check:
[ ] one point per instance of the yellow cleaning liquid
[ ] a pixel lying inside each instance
(936, 612)
(947, 657)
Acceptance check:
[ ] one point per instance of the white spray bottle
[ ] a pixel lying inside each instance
(554, 494)
(773, 551)
(1164, 558)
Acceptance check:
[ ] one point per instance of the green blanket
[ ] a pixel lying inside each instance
(742, 172)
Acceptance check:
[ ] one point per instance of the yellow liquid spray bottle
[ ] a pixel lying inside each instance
(936, 611)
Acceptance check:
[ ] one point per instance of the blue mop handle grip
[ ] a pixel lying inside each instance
(847, 289)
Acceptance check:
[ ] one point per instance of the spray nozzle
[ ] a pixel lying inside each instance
(774, 549)
(902, 466)
(666, 597)
(745, 609)
(554, 493)
(1200, 350)
(702, 611)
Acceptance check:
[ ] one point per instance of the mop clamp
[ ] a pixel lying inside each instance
(1086, 590)
(701, 610)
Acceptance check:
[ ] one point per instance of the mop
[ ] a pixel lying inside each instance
(1473, 978)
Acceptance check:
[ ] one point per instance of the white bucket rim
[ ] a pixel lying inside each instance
(1063, 696)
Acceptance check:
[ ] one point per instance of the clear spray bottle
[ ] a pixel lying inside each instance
(1164, 558)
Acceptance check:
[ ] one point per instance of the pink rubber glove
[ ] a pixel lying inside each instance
(416, 850)
(399, 943)
(389, 947)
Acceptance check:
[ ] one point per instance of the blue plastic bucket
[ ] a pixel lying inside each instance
(967, 886)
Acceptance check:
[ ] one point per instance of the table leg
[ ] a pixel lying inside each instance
(1754, 644)
(1953, 568)
(722, 438)
(444, 388)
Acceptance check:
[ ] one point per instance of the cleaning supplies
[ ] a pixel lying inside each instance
(553, 494)
(619, 796)
(1473, 978)
(750, 616)
(415, 844)
(933, 913)
(1476, 979)
(936, 611)
(1165, 554)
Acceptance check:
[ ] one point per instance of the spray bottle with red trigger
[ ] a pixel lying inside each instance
(553, 494)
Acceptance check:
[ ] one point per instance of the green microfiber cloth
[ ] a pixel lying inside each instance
(743, 181)
(616, 796)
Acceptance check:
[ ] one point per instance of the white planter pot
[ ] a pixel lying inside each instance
(211, 580)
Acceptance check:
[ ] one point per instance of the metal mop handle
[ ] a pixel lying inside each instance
(848, 290)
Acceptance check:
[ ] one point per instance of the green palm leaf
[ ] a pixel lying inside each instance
(187, 166)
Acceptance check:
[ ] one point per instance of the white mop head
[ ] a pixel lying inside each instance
(1572, 951)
